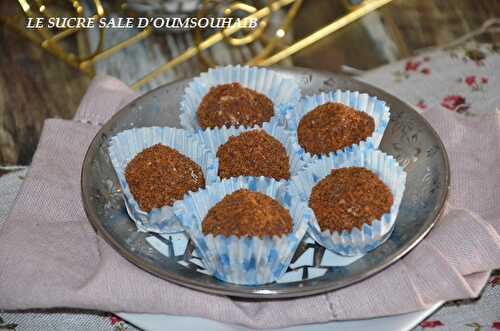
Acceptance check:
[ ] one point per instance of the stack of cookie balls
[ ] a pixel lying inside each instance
(251, 123)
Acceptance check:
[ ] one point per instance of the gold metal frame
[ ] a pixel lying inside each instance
(52, 41)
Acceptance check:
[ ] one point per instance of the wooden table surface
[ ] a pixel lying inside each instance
(35, 85)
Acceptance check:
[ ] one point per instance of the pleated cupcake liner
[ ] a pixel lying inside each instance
(357, 241)
(282, 91)
(363, 102)
(214, 138)
(127, 144)
(241, 260)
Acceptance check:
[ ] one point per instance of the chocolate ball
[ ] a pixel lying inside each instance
(246, 213)
(253, 153)
(349, 198)
(233, 105)
(332, 127)
(160, 175)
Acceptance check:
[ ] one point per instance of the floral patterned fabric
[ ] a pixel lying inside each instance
(463, 81)
(473, 315)
(466, 81)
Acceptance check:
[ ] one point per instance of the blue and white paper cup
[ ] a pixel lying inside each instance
(357, 241)
(127, 144)
(241, 260)
(214, 138)
(282, 91)
(363, 102)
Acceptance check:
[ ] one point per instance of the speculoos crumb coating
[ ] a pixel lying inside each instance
(233, 105)
(253, 153)
(246, 213)
(332, 127)
(349, 198)
(160, 175)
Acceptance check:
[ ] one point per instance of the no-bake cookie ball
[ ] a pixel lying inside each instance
(247, 213)
(332, 127)
(233, 105)
(160, 175)
(253, 153)
(349, 198)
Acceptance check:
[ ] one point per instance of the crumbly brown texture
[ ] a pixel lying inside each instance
(348, 198)
(333, 126)
(247, 213)
(160, 175)
(253, 153)
(233, 105)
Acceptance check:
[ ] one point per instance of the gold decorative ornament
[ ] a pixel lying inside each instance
(274, 48)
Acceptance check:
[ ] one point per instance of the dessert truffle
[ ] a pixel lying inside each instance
(233, 105)
(348, 198)
(160, 175)
(247, 213)
(253, 153)
(333, 126)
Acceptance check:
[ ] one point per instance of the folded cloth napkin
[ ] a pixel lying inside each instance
(51, 257)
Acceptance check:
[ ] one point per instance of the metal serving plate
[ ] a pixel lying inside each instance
(409, 137)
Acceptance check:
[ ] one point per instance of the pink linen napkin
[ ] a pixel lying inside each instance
(51, 257)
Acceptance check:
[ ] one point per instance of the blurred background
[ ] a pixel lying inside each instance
(44, 73)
